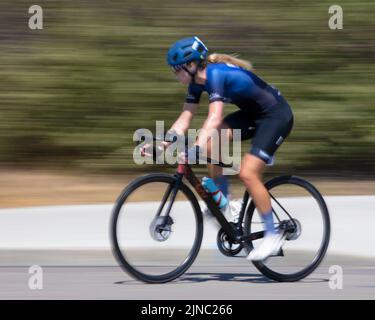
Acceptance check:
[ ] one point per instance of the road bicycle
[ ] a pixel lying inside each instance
(157, 241)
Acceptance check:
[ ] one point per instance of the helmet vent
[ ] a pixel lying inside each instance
(186, 54)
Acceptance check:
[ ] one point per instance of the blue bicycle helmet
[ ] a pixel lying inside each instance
(185, 51)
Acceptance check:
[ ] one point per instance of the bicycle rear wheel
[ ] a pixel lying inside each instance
(150, 247)
(299, 206)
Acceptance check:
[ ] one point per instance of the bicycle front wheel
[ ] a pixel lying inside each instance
(299, 207)
(149, 244)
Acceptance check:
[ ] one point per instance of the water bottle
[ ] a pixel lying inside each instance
(219, 198)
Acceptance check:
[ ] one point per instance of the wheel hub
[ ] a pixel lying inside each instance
(161, 228)
(292, 228)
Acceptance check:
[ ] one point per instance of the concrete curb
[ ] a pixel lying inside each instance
(86, 227)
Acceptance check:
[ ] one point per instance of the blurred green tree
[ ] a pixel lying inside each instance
(73, 93)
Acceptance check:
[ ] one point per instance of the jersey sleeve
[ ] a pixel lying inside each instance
(216, 89)
(194, 93)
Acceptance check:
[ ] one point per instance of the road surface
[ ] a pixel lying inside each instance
(95, 275)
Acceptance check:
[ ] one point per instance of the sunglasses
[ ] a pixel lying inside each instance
(178, 67)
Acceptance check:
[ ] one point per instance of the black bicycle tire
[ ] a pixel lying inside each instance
(155, 177)
(326, 237)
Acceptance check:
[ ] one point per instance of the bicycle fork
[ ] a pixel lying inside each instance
(161, 224)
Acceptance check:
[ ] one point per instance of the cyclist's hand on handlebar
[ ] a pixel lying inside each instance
(148, 151)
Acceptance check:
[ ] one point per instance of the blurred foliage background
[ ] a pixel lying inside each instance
(72, 94)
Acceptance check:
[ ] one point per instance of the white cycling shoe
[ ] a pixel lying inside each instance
(270, 245)
(232, 212)
(235, 206)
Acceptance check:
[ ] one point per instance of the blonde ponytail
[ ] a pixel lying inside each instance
(232, 59)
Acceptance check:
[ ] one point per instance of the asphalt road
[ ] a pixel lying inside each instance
(95, 275)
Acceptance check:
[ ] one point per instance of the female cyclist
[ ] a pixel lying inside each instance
(264, 115)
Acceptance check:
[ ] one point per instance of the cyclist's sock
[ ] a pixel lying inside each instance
(268, 221)
(223, 184)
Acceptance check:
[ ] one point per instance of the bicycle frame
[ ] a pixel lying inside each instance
(234, 231)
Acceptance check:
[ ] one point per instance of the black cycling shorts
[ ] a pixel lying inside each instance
(268, 130)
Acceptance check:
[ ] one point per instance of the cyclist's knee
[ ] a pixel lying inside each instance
(251, 169)
(249, 176)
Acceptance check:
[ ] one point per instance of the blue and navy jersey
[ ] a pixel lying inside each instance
(232, 84)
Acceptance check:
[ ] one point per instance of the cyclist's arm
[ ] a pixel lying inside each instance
(216, 106)
(213, 121)
(182, 124)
